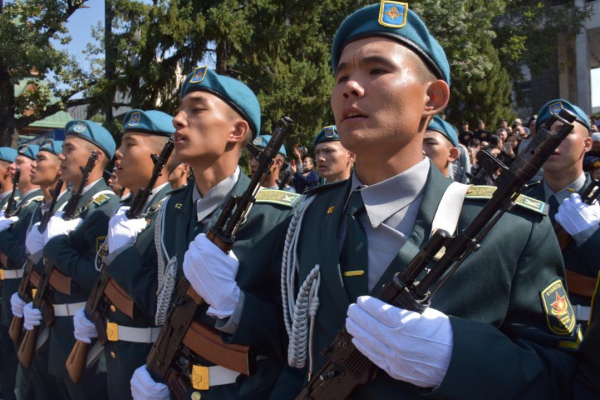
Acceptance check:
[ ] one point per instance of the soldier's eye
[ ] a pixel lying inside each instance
(377, 71)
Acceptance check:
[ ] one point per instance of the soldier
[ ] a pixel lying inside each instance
(7, 157)
(179, 173)
(217, 116)
(272, 180)
(562, 183)
(441, 145)
(334, 162)
(131, 261)
(477, 340)
(72, 246)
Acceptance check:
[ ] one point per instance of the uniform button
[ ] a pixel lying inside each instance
(113, 354)
(113, 308)
(196, 396)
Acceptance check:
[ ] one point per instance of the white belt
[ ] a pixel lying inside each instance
(67, 310)
(582, 313)
(203, 378)
(11, 274)
(116, 333)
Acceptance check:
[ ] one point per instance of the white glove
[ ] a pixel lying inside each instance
(58, 226)
(122, 231)
(143, 386)
(212, 274)
(16, 305)
(576, 216)
(407, 345)
(85, 330)
(35, 240)
(33, 316)
(6, 223)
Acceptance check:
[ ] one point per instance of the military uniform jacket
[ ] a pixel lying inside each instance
(4, 201)
(504, 344)
(258, 283)
(74, 255)
(12, 244)
(581, 259)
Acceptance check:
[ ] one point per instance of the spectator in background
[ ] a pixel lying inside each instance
(465, 135)
(481, 133)
(440, 144)
(531, 124)
(510, 149)
(495, 145)
(306, 179)
(502, 133)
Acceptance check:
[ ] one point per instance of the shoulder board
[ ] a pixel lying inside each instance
(35, 199)
(324, 188)
(101, 199)
(280, 197)
(529, 203)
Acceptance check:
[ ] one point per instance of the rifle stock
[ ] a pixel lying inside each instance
(11, 205)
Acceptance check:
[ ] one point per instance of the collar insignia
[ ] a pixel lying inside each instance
(199, 74)
(393, 14)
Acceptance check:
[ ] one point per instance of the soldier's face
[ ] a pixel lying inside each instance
(45, 169)
(4, 173)
(571, 151)
(25, 163)
(134, 166)
(378, 100)
(75, 154)
(333, 160)
(204, 125)
(438, 149)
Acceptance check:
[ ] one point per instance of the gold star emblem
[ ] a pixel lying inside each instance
(393, 13)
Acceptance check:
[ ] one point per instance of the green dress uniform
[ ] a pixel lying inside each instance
(508, 343)
(134, 269)
(4, 197)
(258, 283)
(74, 255)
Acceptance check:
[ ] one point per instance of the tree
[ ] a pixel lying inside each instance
(27, 30)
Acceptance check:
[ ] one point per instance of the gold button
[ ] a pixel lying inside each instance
(196, 396)
(113, 308)
(113, 354)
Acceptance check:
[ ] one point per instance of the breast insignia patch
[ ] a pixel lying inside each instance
(277, 197)
(486, 193)
(559, 312)
(100, 245)
(101, 199)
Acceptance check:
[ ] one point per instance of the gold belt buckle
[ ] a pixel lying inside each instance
(200, 377)
(112, 331)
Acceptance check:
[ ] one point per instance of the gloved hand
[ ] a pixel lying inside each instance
(123, 231)
(575, 216)
(407, 345)
(85, 330)
(16, 305)
(58, 226)
(35, 240)
(143, 386)
(212, 274)
(33, 316)
(6, 223)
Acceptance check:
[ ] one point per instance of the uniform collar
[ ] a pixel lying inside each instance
(384, 199)
(574, 187)
(153, 194)
(88, 187)
(215, 196)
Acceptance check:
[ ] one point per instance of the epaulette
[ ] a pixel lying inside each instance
(274, 196)
(101, 199)
(324, 188)
(529, 203)
(36, 199)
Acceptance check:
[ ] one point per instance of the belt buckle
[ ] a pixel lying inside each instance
(112, 331)
(200, 377)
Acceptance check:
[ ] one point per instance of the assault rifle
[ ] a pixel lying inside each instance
(285, 177)
(11, 205)
(30, 275)
(347, 368)
(98, 301)
(182, 334)
(43, 296)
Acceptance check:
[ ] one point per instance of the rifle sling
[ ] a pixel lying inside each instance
(34, 278)
(580, 284)
(60, 282)
(119, 298)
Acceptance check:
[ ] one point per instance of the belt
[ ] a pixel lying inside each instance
(203, 378)
(11, 274)
(582, 313)
(116, 333)
(67, 310)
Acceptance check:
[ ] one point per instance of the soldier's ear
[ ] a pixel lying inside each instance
(438, 95)
(240, 130)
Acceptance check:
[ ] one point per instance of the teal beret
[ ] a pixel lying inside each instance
(327, 134)
(439, 125)
(239, 96)
(52, 146)
(93, 133)
(262, 141)
(8, 154)
(28, 150)
(393, 20)
(553, 107)
(151, 122)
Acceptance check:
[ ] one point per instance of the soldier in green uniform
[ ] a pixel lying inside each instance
(270, 181)
(12, 246)
(131, 261)
(334, 162)
(218, 115)
(440, 144)
(72, 247)
(493, 330)
(563, 182)
(7, 157)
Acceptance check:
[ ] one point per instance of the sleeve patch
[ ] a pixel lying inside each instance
(559, 312)
(529, 203)
(277, 197)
